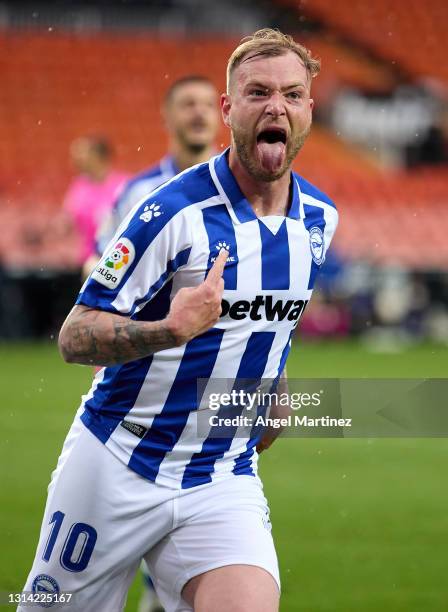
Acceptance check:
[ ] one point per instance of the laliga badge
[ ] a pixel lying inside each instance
(115, 263)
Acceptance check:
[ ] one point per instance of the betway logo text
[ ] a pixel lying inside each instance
(264, 307)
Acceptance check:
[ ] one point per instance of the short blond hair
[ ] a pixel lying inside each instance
(270, 42)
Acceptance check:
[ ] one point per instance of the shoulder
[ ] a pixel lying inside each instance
(78, 195)
(170, 213)
(119, 176)
(312, 194)
(319, 210)
(189, 188)
(77, 184)
(144, 182)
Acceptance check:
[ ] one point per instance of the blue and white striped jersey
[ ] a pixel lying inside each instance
(142, 184)
(145, 411)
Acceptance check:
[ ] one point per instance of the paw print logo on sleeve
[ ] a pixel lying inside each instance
(150, 211)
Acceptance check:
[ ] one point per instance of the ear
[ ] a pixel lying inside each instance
(311, 104)
(226, 105)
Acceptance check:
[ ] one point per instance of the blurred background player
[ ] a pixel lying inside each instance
(91, 194)
(191, 117)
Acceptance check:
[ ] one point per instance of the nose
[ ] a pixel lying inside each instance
(276, 105)
(200, 110)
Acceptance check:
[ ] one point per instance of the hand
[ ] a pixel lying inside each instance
(194, 310)
(277, 411)
(270, 434)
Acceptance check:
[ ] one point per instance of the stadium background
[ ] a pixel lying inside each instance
(359, 524)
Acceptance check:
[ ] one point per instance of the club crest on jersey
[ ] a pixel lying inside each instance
(317, 245)
(43, 583)
(114, 264)
(219, 245)
(150, 211)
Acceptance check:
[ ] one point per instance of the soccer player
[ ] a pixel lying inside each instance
(207, 280)
(190, 114)
(91, 194)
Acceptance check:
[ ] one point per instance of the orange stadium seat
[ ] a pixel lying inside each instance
(344, 64)
(410, 34)
(56, 87)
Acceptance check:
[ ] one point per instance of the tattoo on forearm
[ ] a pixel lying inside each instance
(93, 337)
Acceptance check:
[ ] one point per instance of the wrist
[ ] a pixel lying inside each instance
(173, 330)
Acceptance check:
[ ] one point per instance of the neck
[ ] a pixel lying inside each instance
(266, 198)
(98, 173)
(185, 158)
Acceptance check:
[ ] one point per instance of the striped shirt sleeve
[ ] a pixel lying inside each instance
(155, 242)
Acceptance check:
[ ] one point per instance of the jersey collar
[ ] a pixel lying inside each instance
(168, 165)
(229, 189)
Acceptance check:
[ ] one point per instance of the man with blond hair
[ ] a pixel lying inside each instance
(207, 281)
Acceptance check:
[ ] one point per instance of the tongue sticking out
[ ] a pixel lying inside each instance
(271, 154)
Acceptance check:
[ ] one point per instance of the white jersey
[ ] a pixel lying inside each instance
(146, 411)
(135, 189)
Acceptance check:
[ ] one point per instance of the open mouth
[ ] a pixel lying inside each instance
(272, 135)
(271, 149)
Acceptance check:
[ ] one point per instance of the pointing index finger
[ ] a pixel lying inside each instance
(216, 271)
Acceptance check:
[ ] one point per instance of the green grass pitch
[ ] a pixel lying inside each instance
(359, 524)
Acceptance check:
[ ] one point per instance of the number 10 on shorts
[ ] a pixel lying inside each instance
(78, 546)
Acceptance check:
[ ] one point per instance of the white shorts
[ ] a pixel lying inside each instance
(101, 519)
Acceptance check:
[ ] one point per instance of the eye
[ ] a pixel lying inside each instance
(294, 95)
(257, 93)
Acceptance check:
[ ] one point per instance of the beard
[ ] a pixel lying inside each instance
(244, 147)
(192, 146)
(195, 148)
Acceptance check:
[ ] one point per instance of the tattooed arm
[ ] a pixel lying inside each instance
(97, 337)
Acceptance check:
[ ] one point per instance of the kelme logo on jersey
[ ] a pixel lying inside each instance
(114, 264)
(221, 244)
(264, 307)
(317, 244)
